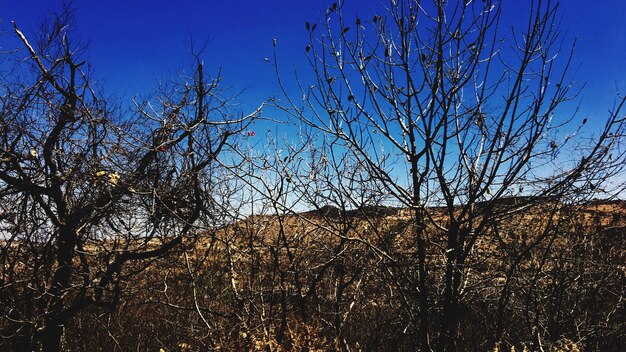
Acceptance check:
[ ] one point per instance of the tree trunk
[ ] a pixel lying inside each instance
(53, 329)
(51, 338)
(423, 295)
(449, 317)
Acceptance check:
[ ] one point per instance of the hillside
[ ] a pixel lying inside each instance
(323, 280)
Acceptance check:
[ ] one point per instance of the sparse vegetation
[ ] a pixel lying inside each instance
(429, 201)
(259, 290)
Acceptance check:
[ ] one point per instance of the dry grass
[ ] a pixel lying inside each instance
(311, 282)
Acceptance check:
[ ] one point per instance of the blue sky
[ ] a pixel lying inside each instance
(133, 44)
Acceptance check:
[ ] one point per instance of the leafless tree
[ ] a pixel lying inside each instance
(430, 198)
(92, 195)
(456, 121)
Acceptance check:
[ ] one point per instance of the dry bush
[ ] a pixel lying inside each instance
(252, 293)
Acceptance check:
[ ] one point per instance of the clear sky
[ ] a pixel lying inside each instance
(135, 43)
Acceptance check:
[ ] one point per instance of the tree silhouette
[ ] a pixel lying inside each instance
(445, 114)
(92, 195)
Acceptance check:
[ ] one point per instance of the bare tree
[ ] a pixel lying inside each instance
(455, 121)
(92, 195)
(430, 199)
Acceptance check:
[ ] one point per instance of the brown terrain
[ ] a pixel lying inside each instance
(550, 276)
